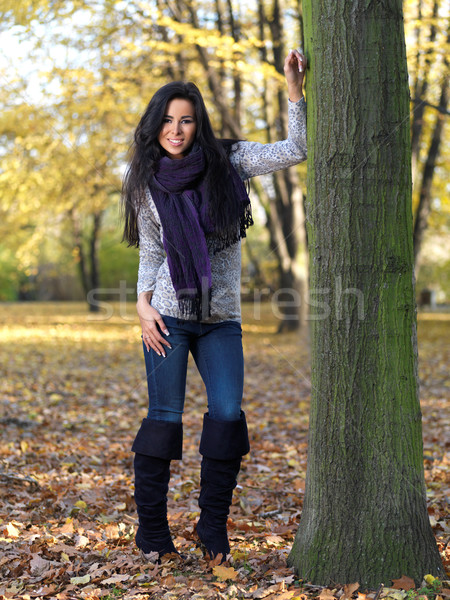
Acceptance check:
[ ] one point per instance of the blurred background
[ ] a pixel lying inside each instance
(75, 78)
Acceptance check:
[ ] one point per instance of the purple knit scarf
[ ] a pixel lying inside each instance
(179, 192)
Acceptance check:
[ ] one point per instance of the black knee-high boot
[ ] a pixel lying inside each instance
(222, 446)
(156, 444)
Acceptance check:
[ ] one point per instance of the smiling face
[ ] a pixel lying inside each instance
(178, 128)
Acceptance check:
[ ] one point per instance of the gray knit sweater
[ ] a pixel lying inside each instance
(249, 159)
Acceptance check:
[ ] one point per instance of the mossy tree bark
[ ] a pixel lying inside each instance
(365, 517)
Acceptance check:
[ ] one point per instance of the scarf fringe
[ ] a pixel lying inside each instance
(225, 239)
(200, 306)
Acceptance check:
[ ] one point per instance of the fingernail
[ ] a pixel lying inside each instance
(158, 353)
(166, 332)
(170, 347)
(164, 356)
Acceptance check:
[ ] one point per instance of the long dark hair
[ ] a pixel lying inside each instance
(146, 152)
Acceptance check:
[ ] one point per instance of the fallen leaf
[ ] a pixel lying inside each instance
(47, 590)
(39, 565)
(274, 539)
(220, 585)
(404, 583)
(287, 595)
(396, 594)
(12, 531)
(80, 580)
(82, 541)
(326, 594)
(224, 573)
(258, 593)
(349, 589)
(67, 528)
(288, 579)
(64, 549)
(151, 557)
(112, 532)
(116, 579)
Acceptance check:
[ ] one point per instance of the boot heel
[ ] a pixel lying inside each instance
(209, 555)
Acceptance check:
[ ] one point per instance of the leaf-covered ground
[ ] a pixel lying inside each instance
(73, 393)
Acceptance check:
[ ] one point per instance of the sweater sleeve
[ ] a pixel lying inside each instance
(151, 249)
(254, 158)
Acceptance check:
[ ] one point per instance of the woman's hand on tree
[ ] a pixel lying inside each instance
(294, 70)
(152, 324)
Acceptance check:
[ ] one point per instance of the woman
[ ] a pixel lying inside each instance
(186, 207)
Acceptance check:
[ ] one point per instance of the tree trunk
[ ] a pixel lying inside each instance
(420, 89)
(93, 257)
(79, 252)
(365, 516)
(235, 29)
(88, 267)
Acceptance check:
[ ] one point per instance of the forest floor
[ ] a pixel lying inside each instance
(73, 393)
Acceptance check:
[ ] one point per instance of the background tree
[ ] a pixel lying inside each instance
(365, 517)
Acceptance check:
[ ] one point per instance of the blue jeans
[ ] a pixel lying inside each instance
(218, 354)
